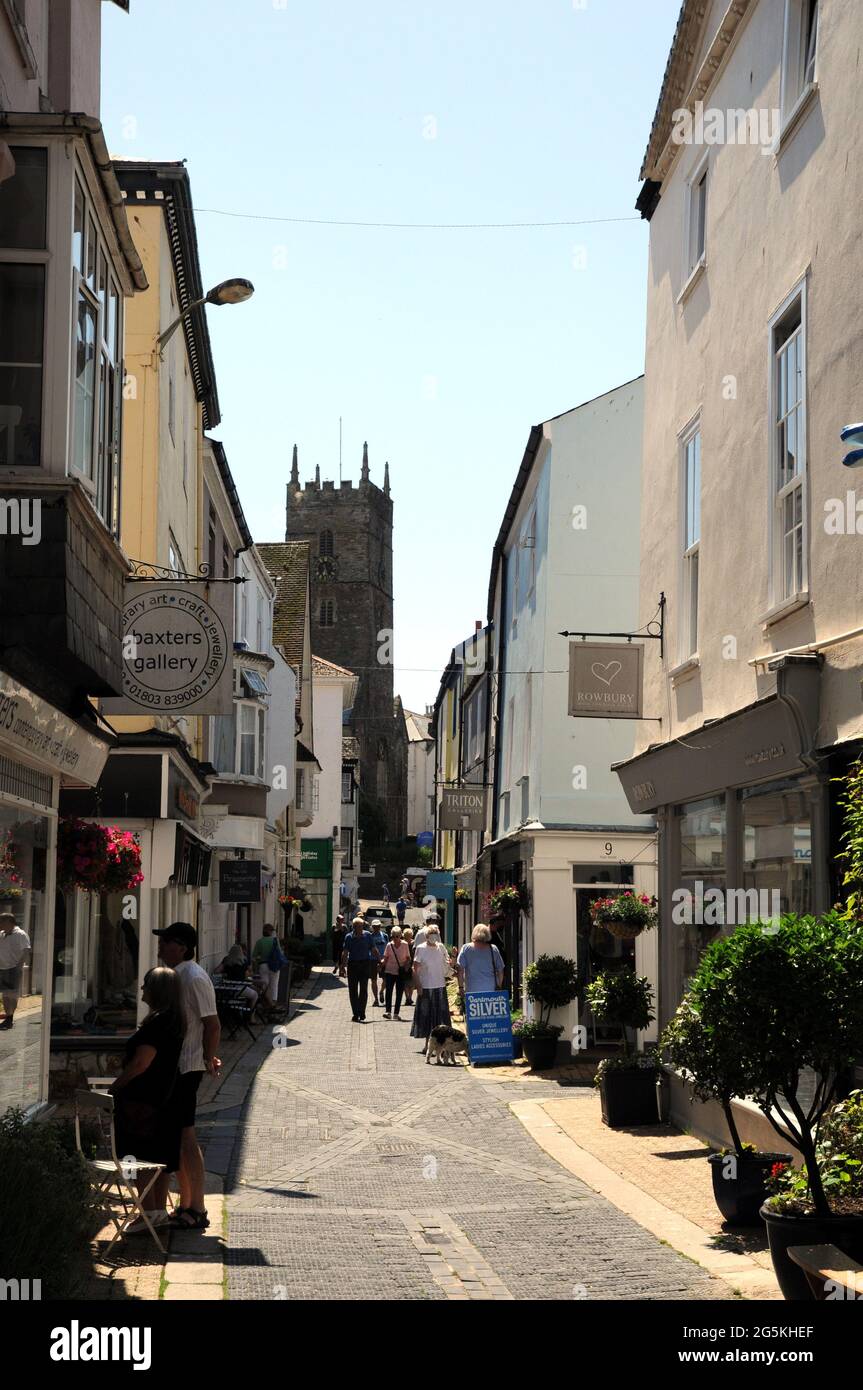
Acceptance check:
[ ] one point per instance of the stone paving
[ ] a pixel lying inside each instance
(356, 1169)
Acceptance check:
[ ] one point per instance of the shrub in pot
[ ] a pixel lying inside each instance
(627, 1084)
(517, 1023)
(710, 1059)
(792, 997)
(551, 983)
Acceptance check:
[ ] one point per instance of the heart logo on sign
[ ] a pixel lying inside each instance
(614, 667)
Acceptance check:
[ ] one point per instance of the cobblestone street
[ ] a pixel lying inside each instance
(356, 1169)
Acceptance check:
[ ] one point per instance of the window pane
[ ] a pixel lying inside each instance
(261, 743)
(85, 384)
(78, 230)
(113, 333)
(777, 851)
(103, 294)
(23, 860)
(693, 602)
(22, 314)
(24, 201)
(91, 253)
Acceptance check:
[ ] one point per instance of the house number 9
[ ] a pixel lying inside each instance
(609, 847)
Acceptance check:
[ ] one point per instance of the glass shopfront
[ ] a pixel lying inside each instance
(96, 946)
(24, 844)
(777, 846)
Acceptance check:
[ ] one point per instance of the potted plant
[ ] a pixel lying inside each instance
(626, 915)
(463, 895)
(710, 1059)
(94, 858)
(509, 897)
(552, 983)
(627, 1083)
(791, 995)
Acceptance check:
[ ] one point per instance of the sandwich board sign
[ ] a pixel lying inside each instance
(489, 1026)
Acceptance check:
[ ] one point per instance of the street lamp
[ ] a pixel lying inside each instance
(228, 292)
(853, 434)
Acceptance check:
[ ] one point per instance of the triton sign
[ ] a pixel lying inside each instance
(605, 679)
(463, 808)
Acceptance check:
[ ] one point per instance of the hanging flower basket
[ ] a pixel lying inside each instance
(626, 915)
(307, 905)
(12, 884)
(96, 858)
(289, 900)
(509, 897)
(463, 895)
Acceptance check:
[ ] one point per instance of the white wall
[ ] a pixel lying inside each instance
(282, 743)
(328, 751)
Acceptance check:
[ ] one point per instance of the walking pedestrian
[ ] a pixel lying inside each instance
(431, 919)
(386, 895)
(380, 938)
(14, 945)
(177, 945)
(338, 941)
(266, 951)
(479, 963)
(397, 967)
(408, 939)
(401, 909)
(430, 973)
(145, 1123)
(359, 957)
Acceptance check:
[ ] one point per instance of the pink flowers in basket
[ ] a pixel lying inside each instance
(95, 858)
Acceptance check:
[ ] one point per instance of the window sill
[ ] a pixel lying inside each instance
(695, 276)
(784, 609)
(794, 119)
(685, 670)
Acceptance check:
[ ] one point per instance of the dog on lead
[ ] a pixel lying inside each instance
(446, 1044)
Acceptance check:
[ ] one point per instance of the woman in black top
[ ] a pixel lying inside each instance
(143, 1124)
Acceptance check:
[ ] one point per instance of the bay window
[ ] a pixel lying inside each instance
(251, 729)
(23, 268)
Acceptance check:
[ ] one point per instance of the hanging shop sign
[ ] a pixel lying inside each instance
(489, 1027)
(37, 730)
(240, 881)
(606, 679)
(316, 858)
(463, 808)
(177, 649)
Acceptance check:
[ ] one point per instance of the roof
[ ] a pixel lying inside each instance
(350, 749)
(417, 726)
(287, 563)
(231, 490)
(151, 184)
(329, 669)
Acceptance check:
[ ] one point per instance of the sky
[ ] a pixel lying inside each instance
(441, 346)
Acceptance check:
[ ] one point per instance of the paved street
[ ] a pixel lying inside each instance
(356, 1169)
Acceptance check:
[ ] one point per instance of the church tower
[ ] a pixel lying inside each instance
(350, 534)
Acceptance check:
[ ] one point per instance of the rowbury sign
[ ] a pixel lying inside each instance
(463, 808)
(177, 649)
(605, 679)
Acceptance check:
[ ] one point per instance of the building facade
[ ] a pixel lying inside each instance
(749, 520)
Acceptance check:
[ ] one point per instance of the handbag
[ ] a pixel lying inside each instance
(276, 960)
(406, 972)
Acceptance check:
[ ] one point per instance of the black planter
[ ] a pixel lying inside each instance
(516, 1045)
(845, 1232)
(628, 1096)
(740, 1187)
(783, 1232)
(540, 1053)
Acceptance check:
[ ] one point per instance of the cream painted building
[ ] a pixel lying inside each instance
(749, 519)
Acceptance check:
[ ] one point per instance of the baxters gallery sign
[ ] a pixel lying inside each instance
(605, 679)
(177, 649)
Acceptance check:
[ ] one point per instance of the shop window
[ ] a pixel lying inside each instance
(777, 851)
(24, 838)
(701, 836)
(96, 945)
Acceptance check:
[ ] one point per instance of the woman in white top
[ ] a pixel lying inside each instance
(431, 968)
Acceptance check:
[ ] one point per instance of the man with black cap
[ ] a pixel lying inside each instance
(177, 945)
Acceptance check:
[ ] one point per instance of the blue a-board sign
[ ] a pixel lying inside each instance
(425, 839)
(489, 1026)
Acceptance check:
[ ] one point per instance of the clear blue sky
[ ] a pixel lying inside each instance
(440, 347)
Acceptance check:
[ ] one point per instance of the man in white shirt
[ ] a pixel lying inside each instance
(14, 945)
(177, 945)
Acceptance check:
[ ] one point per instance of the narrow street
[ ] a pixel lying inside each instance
(359, 1170)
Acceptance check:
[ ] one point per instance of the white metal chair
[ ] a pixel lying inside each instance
(110, 1172)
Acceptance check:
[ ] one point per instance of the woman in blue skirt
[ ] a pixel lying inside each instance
(431, 967)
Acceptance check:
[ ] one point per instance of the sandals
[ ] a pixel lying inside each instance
(187, 1219)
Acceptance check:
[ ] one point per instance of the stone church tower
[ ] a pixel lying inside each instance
(350, 535)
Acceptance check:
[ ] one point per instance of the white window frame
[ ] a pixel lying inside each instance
(695, 260)
(300, 793)
(779, 593)
(316, 794)
(796, 88)
(689, 551)
(258, 733)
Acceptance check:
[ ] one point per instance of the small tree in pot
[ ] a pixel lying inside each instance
(791, 996)
(552, 983)
(710, 1059)
(627, 1084)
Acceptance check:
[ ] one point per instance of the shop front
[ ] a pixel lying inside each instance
(41, 750)
(316, 885)
(743, 811)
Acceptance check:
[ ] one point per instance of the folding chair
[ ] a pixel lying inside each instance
(108, 1172)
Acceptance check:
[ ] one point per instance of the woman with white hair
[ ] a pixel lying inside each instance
(396, 969)
(479, 964)
(431, 967)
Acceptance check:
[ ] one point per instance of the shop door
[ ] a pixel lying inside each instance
(596, 949)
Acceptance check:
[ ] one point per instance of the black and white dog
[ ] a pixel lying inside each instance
(445, 1044)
